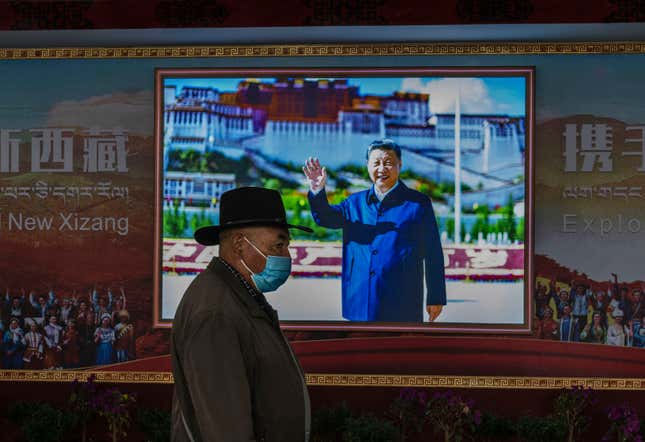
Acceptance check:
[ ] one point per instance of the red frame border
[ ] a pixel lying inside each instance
(529, 266)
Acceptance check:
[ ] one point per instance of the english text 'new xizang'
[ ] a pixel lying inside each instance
(67, 222)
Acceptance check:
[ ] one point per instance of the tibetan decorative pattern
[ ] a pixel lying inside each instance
(127, 377)
(491, 382)
(349, 380)
(349, 50)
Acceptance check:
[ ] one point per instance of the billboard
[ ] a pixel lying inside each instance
(84, 175)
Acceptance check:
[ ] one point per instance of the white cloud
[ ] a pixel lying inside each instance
(132, 111)
(475, 97)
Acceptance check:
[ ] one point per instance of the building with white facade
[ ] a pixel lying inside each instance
(292, 119)
(189, 189)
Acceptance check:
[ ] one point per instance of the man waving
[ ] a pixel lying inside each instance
(390, 242)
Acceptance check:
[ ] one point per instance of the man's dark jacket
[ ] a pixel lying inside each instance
(236, 378)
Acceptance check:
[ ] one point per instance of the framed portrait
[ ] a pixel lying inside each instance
(459, 214)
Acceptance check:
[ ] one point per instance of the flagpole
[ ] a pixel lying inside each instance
(457, 208)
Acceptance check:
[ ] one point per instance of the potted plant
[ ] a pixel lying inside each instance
(80, 402)
(408, 412)
(625, 424)
(572, 406)
(453, 415)
(114, 406)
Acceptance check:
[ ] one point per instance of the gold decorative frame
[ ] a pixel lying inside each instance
(335, 50)
(351, 380)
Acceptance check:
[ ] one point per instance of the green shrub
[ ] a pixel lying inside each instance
(155, 424)
(20, 411)
(369, 428)
(495, 428)
(328, 423)
(540, 429)
(41, 422)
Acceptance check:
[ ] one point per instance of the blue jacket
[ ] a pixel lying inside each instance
(385, 247)
(639, 340)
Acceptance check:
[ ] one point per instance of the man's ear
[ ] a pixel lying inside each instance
(237, 240)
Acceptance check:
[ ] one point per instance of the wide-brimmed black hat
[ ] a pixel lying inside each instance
(247, 206)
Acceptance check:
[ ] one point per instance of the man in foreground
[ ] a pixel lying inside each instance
(236, 378)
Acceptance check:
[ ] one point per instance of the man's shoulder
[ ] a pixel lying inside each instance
(209, 293)
(415, 197)
(209, 301)
(357, 197)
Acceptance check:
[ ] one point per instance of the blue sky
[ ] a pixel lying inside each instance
(509, 92)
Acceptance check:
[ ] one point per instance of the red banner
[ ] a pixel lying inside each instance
(319, 259)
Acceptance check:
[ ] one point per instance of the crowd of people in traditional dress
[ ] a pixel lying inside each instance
(45, 331)
(582, 311)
